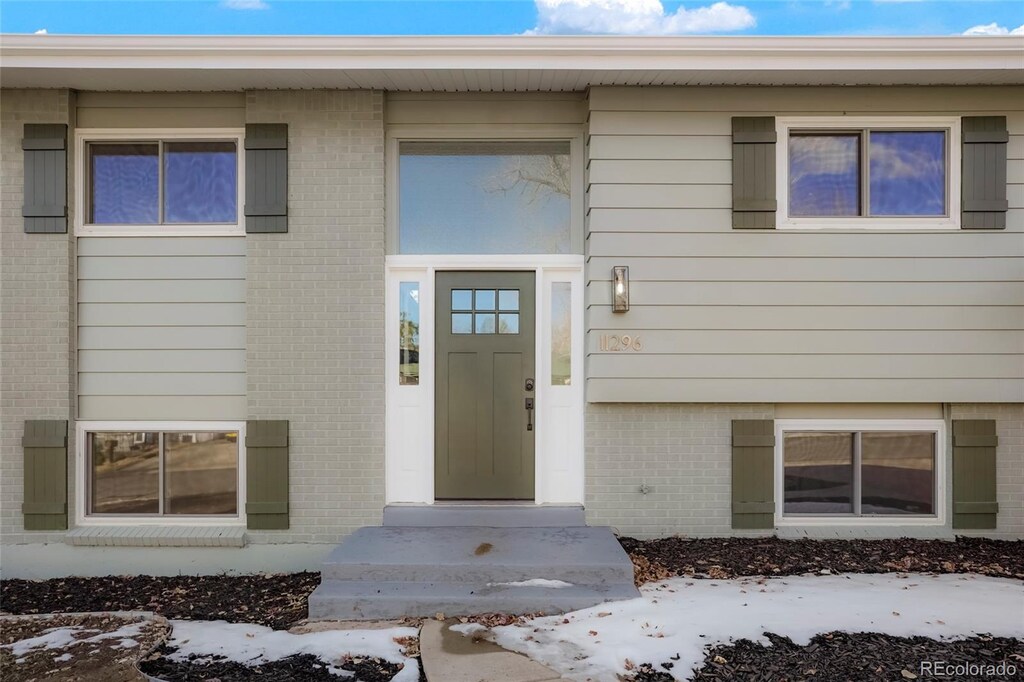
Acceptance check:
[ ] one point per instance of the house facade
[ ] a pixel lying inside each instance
(260, 292)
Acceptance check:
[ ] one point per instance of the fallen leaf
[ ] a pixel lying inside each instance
(907, 675)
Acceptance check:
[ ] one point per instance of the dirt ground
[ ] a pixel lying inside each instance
(77, 647)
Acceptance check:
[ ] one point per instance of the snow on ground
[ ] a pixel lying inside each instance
(681, 616)
(64, 637)
(533, 582)
(255, 644)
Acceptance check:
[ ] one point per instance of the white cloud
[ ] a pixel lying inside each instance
(244, 4)
(637, 17)
(994, 29)
(41, 32)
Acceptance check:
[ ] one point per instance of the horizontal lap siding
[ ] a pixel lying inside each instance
(161, 110)
(161, 328)
(732, 315)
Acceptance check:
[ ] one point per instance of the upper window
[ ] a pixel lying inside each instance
(877, 174)
(859, 470)
(484, 197)
(161, 183)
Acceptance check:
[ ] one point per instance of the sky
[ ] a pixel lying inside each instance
(513, 17)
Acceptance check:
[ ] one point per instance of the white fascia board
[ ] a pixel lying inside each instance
(358, 54)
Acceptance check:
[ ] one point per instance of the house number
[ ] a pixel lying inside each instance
(615, 344)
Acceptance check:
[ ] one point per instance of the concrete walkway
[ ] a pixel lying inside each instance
(448, 656)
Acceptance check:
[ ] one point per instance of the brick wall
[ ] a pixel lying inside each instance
(315, 311)
(1009, 465)
(36, 356)
(683, 452)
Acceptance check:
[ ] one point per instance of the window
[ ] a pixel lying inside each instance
(160, 183)
(868, 173)
(858, 470)
(409, 333)
(561, 333)
(485, 311)
(465, 197)
(162, 473)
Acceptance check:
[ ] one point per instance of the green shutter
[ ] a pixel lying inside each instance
(46, 474)
(266, 177)
(983, 186)
(974, 474)
(753, 466)
(753, 172)
(266, 475)
(45, 206)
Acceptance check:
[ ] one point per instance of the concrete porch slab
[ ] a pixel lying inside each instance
(494, 515)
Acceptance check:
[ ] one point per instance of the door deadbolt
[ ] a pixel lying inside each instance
(529, 384)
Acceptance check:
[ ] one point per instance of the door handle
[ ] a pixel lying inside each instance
(529, 414)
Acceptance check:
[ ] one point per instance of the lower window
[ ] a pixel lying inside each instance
(170, 473)
(871, 471)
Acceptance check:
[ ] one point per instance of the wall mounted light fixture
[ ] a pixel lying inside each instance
(620, 289)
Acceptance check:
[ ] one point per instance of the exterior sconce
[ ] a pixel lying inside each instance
(620, 289)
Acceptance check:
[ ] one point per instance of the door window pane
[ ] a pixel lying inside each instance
(462, 323)
(484, 197)
(124, 184)
(897, 472)
(485, 299)
(818, 473)
(201, 473)
(409, 333)
(561, 333)
(908, 173)
(508, 299)
(200, 182)
(462, 299)
(508, 323)
(824, 174)
(485, 323)
(124, 472)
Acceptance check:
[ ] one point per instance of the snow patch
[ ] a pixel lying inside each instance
(64, 637)
(681, 616)
(256, 644)
(534, 582)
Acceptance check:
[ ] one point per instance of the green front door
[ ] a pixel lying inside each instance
(484, 422)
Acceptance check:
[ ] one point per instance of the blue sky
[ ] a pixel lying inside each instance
(497, 17)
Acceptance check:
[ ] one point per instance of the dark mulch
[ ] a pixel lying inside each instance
(276, 601)
(840, 657)
(300, 667)
(734, 557)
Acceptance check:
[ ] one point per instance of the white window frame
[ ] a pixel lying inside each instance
(83, 136)
(936, 426)
(951, 124)
(83, 518)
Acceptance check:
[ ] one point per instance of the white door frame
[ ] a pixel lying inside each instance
(409, 417)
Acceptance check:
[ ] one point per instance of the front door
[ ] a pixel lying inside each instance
(484, 389)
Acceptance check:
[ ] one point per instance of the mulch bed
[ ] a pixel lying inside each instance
(276, 601)
(839, 657)
(298, 667)
(736, 557)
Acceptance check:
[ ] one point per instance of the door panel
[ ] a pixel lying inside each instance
(484, 443)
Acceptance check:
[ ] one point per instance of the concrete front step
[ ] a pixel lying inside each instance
(479, 555)
(389, 572)
(362, 600)
(508, 515)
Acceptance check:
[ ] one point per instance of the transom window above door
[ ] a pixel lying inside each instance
(473, 197)
(485, 311)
